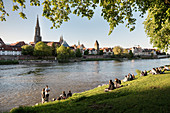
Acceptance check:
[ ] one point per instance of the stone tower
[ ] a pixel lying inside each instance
(96, 46)
(37, 36)
(61, 39)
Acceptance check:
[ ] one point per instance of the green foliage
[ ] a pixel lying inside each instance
(157, 26)
(62, 54)
(42, 49)
(101, 52)
(53, 49)
(131, 54)
(114, 12)
(78, 53)
(86, 52)
(138, 72)
(118, 50)
(27, 50)
(72, 54)
(152, 91)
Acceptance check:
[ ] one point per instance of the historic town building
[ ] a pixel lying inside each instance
(12, 49)
(37, 36)
(96, 46)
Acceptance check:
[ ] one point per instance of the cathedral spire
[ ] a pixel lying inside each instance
(37, 36)
(37, 25)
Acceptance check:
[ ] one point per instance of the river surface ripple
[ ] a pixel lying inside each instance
(22, 84)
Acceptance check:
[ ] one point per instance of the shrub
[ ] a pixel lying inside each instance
(138, 72)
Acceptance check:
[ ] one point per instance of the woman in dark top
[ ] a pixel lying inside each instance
(111, 86)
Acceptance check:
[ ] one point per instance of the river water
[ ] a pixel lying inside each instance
(22, 84)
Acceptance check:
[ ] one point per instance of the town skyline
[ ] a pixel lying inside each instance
(77, 29)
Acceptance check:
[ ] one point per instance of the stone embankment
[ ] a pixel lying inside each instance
(38, 62)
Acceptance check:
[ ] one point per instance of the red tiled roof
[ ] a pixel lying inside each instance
(91, 49)
(21, 43)
(51, 43)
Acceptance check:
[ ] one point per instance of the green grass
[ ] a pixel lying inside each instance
(148, 94)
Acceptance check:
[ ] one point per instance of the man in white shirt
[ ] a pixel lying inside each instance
(47, 91)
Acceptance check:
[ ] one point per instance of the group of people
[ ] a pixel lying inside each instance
(159, 70)
(117, 82)
(114, 85)
(129, 77)
(63, 96)
(144, 73)
(45, 95)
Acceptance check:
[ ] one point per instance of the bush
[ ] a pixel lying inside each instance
(138, 72)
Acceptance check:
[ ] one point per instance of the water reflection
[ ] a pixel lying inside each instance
(79, 76)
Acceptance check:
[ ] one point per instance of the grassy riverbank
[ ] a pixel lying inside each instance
(148, 94)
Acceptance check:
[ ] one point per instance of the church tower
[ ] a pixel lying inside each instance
(37, 36)
(96, 46)
(61, 39)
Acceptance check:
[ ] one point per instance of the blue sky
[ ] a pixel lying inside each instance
(76, 29)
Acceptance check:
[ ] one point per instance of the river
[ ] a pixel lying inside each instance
(22, 84)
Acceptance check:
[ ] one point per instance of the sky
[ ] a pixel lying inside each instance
(76, 29)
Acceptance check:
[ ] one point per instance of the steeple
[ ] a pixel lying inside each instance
(37, 25)
(37, 36)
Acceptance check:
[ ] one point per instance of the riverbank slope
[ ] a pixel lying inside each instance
(144, 94)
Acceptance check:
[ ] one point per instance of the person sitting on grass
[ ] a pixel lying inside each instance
(69, 94)
(153, 71)
(161, 71)
(157, 71)
(125, 79)
(117, 83)
(130, 77)
(133, 76)
(63, 95)
(166, 68)
(111, 86)
(145, 73)
(142, 74)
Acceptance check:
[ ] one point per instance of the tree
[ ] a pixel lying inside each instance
(72, 54)
(118, 50)
(53, 48)
(131, 54)
(101, 52)
(62, 54)
(125, 51)
(27, 50)
(158, 29)
(113, 11)
(86, 52)
(78, 53)
(42, 49)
